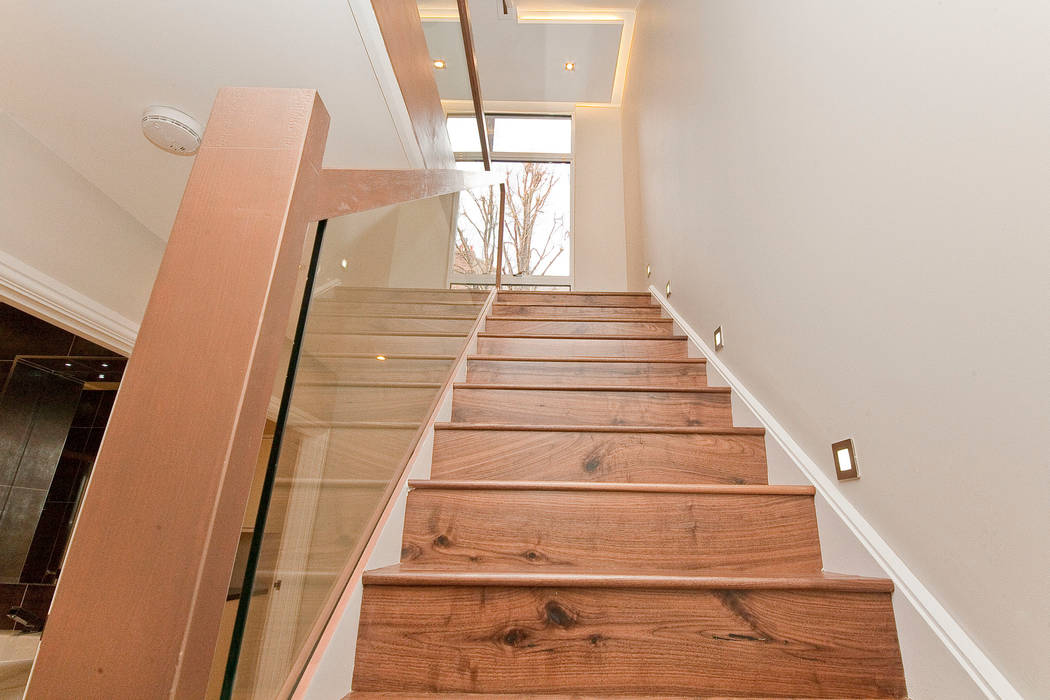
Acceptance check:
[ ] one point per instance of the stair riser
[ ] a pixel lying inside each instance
(814, 644)
(332, 306)
(664, 374)
(365, 324)
(369, 369)
(583, 347)
(575, 299)
(611, 531)
(383, 344)
(541, 311)
(334, 403)
(579, 327)
(554, 407)
(580, 456)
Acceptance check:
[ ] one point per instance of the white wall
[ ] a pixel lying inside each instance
(857, 192)
(55, 221)
(600, 253)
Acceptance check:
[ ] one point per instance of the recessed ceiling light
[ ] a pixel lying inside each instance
(570, 66)
(439, 64)
(380, 357)
(69, 364)
(719, 341)
(105, 364)
(845, 459)
(344, 263)
(101, 376)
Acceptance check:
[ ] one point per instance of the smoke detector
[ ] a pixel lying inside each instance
(172, 130)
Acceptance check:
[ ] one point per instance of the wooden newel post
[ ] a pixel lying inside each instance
(137, 609)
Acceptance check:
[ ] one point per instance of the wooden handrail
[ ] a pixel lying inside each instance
(475, 82)
(343, 192)
(144, 582)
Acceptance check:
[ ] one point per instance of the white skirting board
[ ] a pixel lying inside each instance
(29, 289)
(981, 671)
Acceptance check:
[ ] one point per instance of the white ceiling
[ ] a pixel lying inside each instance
(77, 75)
(524, 61)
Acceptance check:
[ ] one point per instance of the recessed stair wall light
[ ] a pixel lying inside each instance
(344, 263)
(667, 288)
(440, 64)
(719, 339)
(648, 271)
(845, 459)
(570, 66)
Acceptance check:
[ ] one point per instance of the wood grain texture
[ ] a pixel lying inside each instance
(175, 468)
(388, 322)
(575, 311)
(569, 373)
(393, 308)
(407, 47)
(652, 642)
(388, 343)
(578, 327)
(591, 531)
(365, 367)
(623, 406)
(579, 454)
(476, 296)
(594, 299)
(582, 347)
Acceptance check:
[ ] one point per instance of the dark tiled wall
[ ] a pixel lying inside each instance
(23, 334)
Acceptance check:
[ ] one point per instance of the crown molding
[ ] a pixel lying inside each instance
(29, 289)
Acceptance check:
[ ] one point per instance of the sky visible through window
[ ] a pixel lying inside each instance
(536, 241)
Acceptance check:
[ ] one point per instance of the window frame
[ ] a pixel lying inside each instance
(520, 157)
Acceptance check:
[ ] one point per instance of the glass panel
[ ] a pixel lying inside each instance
(378, 340)
(532, 135)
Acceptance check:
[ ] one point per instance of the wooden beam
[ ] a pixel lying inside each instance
(347, 191)
(136, 613)
(407, 47)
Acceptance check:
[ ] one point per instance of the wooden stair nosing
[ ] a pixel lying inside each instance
(562, 319)
(399, 575)
(675, 429)
(338, 384)
(723, 489)
(635, 360)
(598, 387)
(372, 356)
(577, 292)
(655, 307)
(582, 337)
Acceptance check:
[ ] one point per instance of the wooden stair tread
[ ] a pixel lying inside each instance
(599, 319)
(538, 358)
(370, 695)
(583, 428)
(577, 336)
(597, 387)
(401, 575)
(729, 489)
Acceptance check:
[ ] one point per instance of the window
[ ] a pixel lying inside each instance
(534, 154)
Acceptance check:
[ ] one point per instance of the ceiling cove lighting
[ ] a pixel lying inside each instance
(440, 64)
(719, 340)
(570, 65)
(845, 459)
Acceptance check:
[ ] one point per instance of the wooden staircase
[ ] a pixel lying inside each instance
(595, 526)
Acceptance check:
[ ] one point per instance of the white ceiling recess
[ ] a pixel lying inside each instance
(78, 75)
(521, 55)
